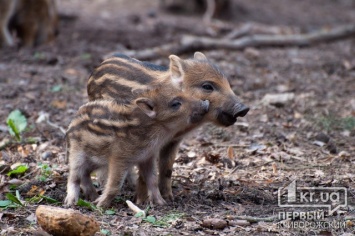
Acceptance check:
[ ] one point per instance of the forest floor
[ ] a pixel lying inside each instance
(221, 173)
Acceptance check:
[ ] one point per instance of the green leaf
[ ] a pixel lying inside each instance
(105, 232)
(150, 219)
(49, 199)
(13, 129)
(38, 55)
(166, 220)
(13, 198)
(35, 199)
(86, 56)
(110, 212)
(18, 196)
(56, 88)
(5, 203)
(86, 204)
(139, 214)
(19, 170)
(17, 123)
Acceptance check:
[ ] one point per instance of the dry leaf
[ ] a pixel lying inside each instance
(274, 168)
(213, 158)
(59, 104)
(35, 190)
(23, 151)
(230, 152)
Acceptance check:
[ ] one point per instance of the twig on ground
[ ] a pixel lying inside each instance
(257, 166)
(183, 177)
(8, 142)
(288, 168)
(31, 173)
(135, 209)
(56, 126)
(253, 219)
(254, 28)
(194, 43)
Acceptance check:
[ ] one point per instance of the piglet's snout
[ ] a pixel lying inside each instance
(199, 111)
(240, 110)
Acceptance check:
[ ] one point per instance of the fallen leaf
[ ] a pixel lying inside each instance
(230, 152)
(32, 218)
(213, 158)
(274, 168)
(59, 104)
(35, 190)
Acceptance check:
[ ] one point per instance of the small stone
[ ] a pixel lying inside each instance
(344, 154)
(318, 143)
(252, 53)
(332, 148)
(242, 126)
(191, 154)
(264, 118)
(152, 13)
(47, 155)
(278, 100)
(322, 137)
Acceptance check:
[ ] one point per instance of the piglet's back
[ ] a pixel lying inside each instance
(116, 77)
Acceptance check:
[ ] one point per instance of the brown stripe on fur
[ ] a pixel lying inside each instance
(117, 124)
(120, 81)
(112, 89)
(101, 109)
(98, 130)
(136, 71)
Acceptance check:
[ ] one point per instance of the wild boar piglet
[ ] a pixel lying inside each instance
(114, 137)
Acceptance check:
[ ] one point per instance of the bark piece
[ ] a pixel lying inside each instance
(214, 223)
(67, 222)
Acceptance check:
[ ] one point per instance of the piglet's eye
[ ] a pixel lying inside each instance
(208, 87)
(175, 105)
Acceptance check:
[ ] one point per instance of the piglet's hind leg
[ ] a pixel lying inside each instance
(76, 160)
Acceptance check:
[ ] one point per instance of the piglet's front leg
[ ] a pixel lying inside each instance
(116, 175)
(147, 170)
(167, 158)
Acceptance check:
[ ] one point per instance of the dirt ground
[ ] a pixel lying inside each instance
(221, 173)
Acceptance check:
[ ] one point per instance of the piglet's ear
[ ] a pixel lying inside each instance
(147, 106)
(176, 70)
(200, 56)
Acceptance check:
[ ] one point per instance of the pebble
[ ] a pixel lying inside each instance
(278, 100)
(46, 155)
(322, 137)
